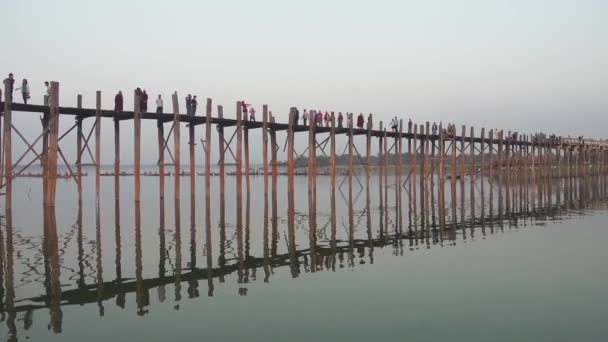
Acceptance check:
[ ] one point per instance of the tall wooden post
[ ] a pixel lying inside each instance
(412, 171)
(350, 155)
(399, 148)
(246, 150)
(441, 188)
(53, 143)
(79, 147)
(116, 158)
(239, 175)
(161, 162)
(192, 168)
(380, 169)
(8, 149)
(463, 135)
(208, 182)
(177, 153)
(221, 145)
(137, 146)
(97, 143)
(273, 144)
(453, 167)
(265, 164)
(472, 172)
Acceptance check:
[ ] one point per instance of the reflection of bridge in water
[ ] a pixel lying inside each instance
(425, 231)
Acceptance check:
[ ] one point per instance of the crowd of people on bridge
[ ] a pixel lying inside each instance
(319, 118)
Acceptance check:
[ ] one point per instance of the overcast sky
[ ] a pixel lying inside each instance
(519, 65)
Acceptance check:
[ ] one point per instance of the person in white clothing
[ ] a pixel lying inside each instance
(159, 105)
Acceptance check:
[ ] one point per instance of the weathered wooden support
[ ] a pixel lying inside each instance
(239, 174)
(463, 135)
(500, 170)
(385, 161)
(399, 148)
(192, 167)
(222, 152)
(265, 164)
(137, 146)
(380, 170)
(53, 143)
(116, 158)
(453, 167)
(412, 158)
(441, 187)
(311, 179)
(97, 143)
(507, 151)
(472, 172)
(177, 153)
(350, 157)
(208, 237)
(274, 149)
(246, 151)
(332, 175)
(8, 148)
(161, 161)
(368, 153)
(79, 148)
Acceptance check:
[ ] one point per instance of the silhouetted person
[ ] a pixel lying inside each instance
(340, 119)
(118, 102)
(360, 121)
(193, 105)
(370, 123)
(139, 93)
(252, 114)
(159, 105)
(305, 117)
(144, 102)
(189, 104)
(25, 90)
(47, 94)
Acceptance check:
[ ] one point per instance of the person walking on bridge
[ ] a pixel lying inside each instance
(193, 105)
(305, 117)
(144, 102)
(25, 91)
(118, 101)
(9, 83)
(394, 124)
(360, 121)
(340, 119)
(189, 104)
(252, 114)
(159, 105)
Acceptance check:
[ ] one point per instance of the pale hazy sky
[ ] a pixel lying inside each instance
(518, 65)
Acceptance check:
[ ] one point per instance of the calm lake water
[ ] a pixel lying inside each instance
(530, 268)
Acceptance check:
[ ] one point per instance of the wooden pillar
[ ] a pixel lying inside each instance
(380, 169)
(500, 171)
(97, 143)
(350, 154)
(399, 148)
(177, 153)
(453, 167)
(311, 178)
(161, 161)
(221, 145)
(137, 146)
(273, 144)
(368, 152)
(116, 158)
(385, 161)
(441, 188)
(412, 172)
(8, 149)
(239, 175)
(507, 149)
(463, 135)
(208, 180)
(246, 150)
(472, 172)
(53, 143)
(79, 147)
(192, 168)
(265, 164)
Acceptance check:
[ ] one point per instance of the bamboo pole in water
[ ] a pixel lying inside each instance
(265, 163)
(97, 143)
(137, 145)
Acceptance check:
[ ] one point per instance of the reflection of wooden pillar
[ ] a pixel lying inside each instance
(137, 146)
